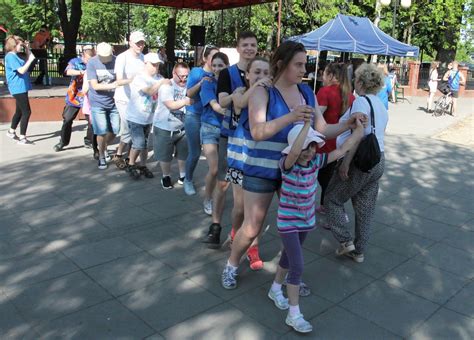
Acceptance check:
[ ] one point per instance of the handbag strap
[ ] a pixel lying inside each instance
(372, 117)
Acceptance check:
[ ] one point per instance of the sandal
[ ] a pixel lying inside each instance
(133, 171)
(119, 162)
(145, 172)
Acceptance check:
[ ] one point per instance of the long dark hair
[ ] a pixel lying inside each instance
(341, 73)
(282, 56)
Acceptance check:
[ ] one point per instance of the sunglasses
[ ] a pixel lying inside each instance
(182, 77)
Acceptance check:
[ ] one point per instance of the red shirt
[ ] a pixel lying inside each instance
(330, 96)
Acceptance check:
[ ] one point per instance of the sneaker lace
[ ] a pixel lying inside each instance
(228, 276)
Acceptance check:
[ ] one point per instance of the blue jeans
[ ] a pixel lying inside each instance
(192, 126)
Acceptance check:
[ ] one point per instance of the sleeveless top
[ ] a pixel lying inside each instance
(453, 80)
(261, 158)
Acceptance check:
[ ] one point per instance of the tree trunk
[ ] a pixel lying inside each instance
(70, 28)
(448, 54)
(171, 35)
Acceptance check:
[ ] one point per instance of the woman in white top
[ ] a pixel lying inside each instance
(349, 182)
(432, 84)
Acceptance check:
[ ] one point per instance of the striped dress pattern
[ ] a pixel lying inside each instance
(296, 208)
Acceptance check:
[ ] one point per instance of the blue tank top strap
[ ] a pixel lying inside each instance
(230, 121)
(454, 80)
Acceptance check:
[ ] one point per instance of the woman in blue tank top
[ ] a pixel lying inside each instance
(272, 113)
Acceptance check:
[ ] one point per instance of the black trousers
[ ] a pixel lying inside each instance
(41, 55)
(324, 176)
(69, 114)
(22, 112)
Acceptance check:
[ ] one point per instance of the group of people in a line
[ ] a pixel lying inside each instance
(262, 132)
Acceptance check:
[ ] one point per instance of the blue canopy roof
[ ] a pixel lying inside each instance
(354, 34)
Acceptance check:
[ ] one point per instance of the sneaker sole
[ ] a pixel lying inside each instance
(355, 259)
(208, 213)
(276, 304)
(166, 188)
(296, 329)
(254, 269)
(228, 288)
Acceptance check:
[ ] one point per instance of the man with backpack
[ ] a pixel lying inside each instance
(455, 79)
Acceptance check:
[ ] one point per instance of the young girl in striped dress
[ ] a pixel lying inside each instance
(296, 211)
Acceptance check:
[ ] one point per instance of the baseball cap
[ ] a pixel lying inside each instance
(87, 47)
(104, 50)
(153, 58)
(137, 36)
(313, 136)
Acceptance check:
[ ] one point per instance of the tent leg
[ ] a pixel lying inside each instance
(316, 73)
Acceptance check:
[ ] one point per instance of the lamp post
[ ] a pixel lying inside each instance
(396, 3)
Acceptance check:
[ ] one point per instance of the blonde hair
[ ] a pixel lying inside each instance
(434, 65)
(11, 41)
(384, 68)
(370, 78)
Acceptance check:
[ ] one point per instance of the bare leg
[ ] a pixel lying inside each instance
(102, 145)
(165, 168)
(219, 201)
(182, 167)
(255, 209)
(210, 151)
(280, 275)
(293, 292)
(133, 156)
(453, 110)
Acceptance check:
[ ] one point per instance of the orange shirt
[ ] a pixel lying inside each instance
(41, 39)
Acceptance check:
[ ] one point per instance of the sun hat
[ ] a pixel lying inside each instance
(137, 36)
(153, 58)
(104, 50)
(313, 136)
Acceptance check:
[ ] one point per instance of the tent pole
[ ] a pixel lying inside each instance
(316, 72)
(279, 23)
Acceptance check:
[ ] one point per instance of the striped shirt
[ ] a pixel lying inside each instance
(296, 208)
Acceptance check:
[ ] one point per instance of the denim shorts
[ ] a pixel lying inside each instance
(169, 143)
(105, 120)
(139, 133)
(210, 134)
(260, 185)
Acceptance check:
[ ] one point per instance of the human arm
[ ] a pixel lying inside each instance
(260, 128)
(102, 87)
(297, 147)
(177, 104)
(71, 72)
(85, 84)
(446, 76)
(224, 88)
(119, 70)
(22, 69)
(351, 143)
(241, 95)
(155, 87)
(462, 80)
(194, 83)
(333, 130)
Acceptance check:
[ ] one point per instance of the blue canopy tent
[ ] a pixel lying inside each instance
(354, 34)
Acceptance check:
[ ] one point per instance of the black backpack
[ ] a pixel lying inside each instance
(368, 152)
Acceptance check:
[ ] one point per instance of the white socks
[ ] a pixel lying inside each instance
(231, 266)
(294, 310)
(182, 174)
(276, 287)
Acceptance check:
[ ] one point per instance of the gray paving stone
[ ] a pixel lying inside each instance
(328, 326)
(10, 250)
(257, 305)
(321, 241)
(34, 200)
(12, 324)
(92, 254)
(461, 239)
(400, 242)
(155, 336)
(462, 302)
(107, 320)
(446, 215)
(169, 302)
(445, 324)
(469, 225)
(432, 283)
(15, 273)
(11, 226)
(221, 322)
(458, 202)
(71, 230)
(49, 299)
(131, 273)
(389, 211)
(424, 227)
(172, 207)
(128, 218)
(450, 259)
(377, 261)
(56, 214)
(391, 308)
(332, 280)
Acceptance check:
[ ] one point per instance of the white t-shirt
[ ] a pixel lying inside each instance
(380, 114)
(128, 66)
(164, 118)
(141, 106)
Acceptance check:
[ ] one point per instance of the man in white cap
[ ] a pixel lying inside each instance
(76, 68)
(127, 65)
(140, 110)
(104, 114)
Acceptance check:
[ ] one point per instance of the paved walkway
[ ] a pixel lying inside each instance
(89, 254)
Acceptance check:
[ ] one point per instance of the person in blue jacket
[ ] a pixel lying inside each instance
(18, 79)
(386, 89)
(455, 79)
(192, 121)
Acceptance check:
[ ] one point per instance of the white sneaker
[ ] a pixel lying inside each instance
(12, 135)
(208, 207)
(298, 323)
(345, 248)
(25, 141)
(189, 188)
(359, 258)
(280, 301)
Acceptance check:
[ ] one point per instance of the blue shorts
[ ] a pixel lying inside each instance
(139, 133)
(105, 120)
(260, 185)
(210, 134)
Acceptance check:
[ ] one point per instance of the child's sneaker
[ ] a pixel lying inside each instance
(208, 207)
(181, 180)
(345, 248)
(228, 278)
(298, 323)
(280, 301)
(254, 258)
(359, 258)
